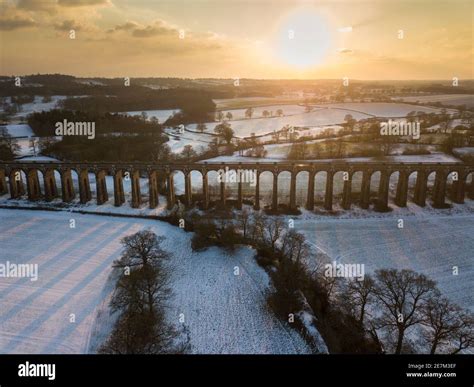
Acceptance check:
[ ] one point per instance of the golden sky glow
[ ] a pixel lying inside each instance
(239, 39)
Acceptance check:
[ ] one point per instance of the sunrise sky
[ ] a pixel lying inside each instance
(239, 39)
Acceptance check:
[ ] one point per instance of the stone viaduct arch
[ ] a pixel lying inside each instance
(18, 173)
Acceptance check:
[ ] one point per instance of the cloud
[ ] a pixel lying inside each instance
(68, 25)
(9, 23)
(81, 3)
(345, 29)
(37, 6)
(129, 25)
(159, 28)
(345, 51)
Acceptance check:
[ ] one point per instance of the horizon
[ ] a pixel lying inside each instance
(232, 79)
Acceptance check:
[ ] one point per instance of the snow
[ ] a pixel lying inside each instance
(262, 126)
(19, 130)
(177, 141)
(226, 103)
(257, 111)
(430, 243)
(25, 150)
(308, 320)
(38, 105)
(37, 158)
(379, 109)
(464, 151)
(266, 184)
(322, 115)
(225, 313)
(161, 115)
(451, 125)
(73, 266)
(447, 99)
(91, 206)
(278, 152)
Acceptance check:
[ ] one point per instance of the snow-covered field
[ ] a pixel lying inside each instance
(466, 151)
(241, 102)
(177, 141)
(238, 114)
(322, 115)
(429, 243)
(161, 115)
(451, 125)
(38, 105)
(261, 126)
(73, 266)
(37, 158)
(447, 99)
(225, 313)
(19, 130)
(280, 152)
(379, 109)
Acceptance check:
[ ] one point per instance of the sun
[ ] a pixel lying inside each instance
(303, 39)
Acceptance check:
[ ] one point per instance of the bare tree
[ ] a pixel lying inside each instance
(225, 132)
(201, 127)
(464, 335)
(143, 287)
(244, 220)
(249, 112)
(219, 116)
(350, 122)
(359, 295)
(273, 231)
(258, 151)
(8, 145)
(139, 297)
(445, 119)
(445, 322)
(276, 136)
(162, 153)
(294, 246)
(188, 152)
(257, 227)
(298, 151)
(286, 131)
(340, 147)
(214, 145)
(34, 145)
(401, 295)
(142, 249)
(387, 145)
(45, 143)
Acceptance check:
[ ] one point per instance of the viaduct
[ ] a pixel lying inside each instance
(160, 176)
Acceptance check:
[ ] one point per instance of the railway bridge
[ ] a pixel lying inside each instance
(14, 175)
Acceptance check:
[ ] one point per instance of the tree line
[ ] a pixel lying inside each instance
(44, 123)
